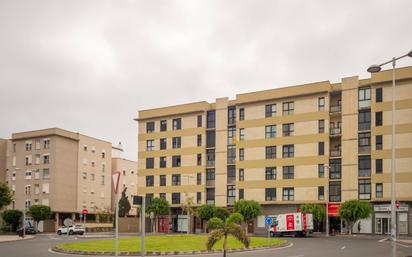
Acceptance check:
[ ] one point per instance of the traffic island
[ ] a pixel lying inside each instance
(164, 245)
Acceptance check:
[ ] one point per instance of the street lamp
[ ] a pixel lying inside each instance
(374, 69)
(327, 200)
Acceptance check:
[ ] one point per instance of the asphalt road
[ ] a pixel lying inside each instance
(300, 247)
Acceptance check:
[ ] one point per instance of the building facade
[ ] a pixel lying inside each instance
(314, 143)
(3, 154)
(67, 171)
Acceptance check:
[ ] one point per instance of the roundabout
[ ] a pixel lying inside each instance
(164, 245)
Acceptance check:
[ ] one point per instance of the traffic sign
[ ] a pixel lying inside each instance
(85, 212)
(268, 220)
(81, 216)
(116, 179)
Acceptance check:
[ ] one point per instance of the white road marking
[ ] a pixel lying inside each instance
(406, 246)
(343, 247)
(382, 240)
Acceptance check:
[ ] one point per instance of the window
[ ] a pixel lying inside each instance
(378, 119)
(270, 110)
(231, 194)
(231, 115)
(241, 194)
(379, 190)
(28, 160)
(124, 172)
(270, 173)
(210, 175)
(103, 155)
(321, 148)
(46, 143)
(241, 174)
(27, 190)
(379, 96)
(46, 173)
(162, 180)
(379, 166)
(270, 152)
(321, 193)
(28, 146)
(364, 143)
(288, 129)
(210, 196)
(364, 120)
(37, 144)
(37, 158)
(199, 140)
(321, 104)
(321, 171)
(162, 162)
(37, 174)
(210, 139)
(288, 172)
(162, 195)
(150, 127)
(231, 155)
(46, 159)
(288, 151)
(210, 119)
(334, 191)
(149, 163)
(102, 180)
(176, 161)
(231, 136)
(210, 157)
(364, 189)
(288, 108)
(288, 194)
(175, 198)
(149, 181)
(85, 148)
(242, 114)
(149, 145)
(364, 165)
(199, 197)
(199, 178)
(45, 188)
(176, 142)
(92, 176)
(335, 169)
(231, 174)
(163, 144)
(163, 125)
(379, 142)
(270, 194)
(364, 97)
(177, 124)
(36, 189)
(241, 154)
(199, 159)
(321, 126)
(241, 134)
(14, 147)
(270, 131)
(176, 180)
(199, 121)
(149, 198)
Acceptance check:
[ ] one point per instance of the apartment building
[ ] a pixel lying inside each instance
(128, 177)
(314, 143)
(67, 171)
(3, 150)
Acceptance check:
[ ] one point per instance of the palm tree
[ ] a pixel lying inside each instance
(221, 229)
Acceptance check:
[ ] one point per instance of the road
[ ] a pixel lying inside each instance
(300, 247)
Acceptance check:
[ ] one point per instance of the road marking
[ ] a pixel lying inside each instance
(406, 246)
(343, 247)
(382, 240)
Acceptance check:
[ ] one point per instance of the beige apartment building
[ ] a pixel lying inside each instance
(3, 166)
(67, 171)
(128, 177)
(313, 143)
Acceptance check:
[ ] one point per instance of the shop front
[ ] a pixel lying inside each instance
(382, 219)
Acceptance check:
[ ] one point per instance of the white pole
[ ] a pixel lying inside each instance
(117, 224)
(393, 184)
(142, 234)
(24, 220)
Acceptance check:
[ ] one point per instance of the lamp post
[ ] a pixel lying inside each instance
(374, 69)
(327, 199)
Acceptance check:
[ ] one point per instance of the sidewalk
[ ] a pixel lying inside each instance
(9, 238)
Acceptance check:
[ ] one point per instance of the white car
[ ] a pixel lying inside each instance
(71, 230)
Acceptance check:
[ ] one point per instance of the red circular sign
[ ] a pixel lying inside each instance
(85, 212)
(397, 204)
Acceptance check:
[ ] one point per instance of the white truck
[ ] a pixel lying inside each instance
(294, 224)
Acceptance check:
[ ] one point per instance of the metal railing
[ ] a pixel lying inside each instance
(335, 131)
(210, 183)
(335, 108)
(335, 153)
(364, 149)
(364, 126)
(210, 163)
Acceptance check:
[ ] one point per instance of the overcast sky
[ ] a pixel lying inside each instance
(89, 66)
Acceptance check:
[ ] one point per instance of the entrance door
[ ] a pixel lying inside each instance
(386, 225)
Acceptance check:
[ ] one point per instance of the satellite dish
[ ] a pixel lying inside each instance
(68, 222)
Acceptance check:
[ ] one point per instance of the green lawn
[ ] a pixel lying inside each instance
(167, 243)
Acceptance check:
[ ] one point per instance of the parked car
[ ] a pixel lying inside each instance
(29, 230)
(71, 230)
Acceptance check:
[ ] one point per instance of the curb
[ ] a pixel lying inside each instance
(65, 251)
(20, 239)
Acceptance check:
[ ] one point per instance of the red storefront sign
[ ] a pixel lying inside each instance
(333, 209)
(290, 222)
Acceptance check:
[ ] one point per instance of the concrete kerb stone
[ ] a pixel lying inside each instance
(163, 253)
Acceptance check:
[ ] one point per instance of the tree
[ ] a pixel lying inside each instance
(205, 212)
(124, 204)
(159, 206)
(222, 229)
(39, 212)
(353, 211)
(221, 213)
(318, 211)
(12, 217)
(249, 209)
(5, 195)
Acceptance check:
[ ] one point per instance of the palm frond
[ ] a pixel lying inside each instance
(214, 236)
(236, 231)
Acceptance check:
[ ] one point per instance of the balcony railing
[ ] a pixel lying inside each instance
(210, 163)
(231, 161)
(364, 173)
(335, 131)
(364, 126)
(212, 202)
(210, 183)
(335, 153)
(364, 104)
(231, 180)
(364, 149)
(231, 200)
(335, 108)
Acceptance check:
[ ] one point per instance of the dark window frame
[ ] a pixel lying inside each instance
(288, 172)
(270, 194)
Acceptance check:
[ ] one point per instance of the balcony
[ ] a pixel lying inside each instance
(231, 200)
(366, 149)
(335, 131)
(210, 163)
(364, 173)
(210, 183)
(364, 104)
(231, 180)
(364, 126)
(335, 153)
(210, 201)
(335, 109)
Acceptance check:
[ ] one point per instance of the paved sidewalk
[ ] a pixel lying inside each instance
(9, 238)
